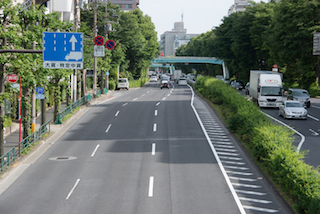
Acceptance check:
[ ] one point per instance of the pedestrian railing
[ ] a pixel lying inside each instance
(14, 152)
(34, 137)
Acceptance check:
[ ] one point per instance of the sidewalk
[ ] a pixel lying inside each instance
(12, 133)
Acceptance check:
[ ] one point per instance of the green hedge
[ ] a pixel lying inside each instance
(137, 83)
(271, 144)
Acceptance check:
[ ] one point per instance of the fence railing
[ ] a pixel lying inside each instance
(16, 151)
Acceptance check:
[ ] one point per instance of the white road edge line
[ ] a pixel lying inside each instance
(156, 113)
(234, 194)
(153, 149)
(108, 128)
(301, 135)
(117, 113)
(154, 127)
(151, 184)
(73, 188)
(95, 150)
(158, 104)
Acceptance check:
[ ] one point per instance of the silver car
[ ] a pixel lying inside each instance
(292, 109)
(301, 95)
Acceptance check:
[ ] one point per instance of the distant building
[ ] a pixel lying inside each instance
(125, 5)
(238, 6)
(171, 40)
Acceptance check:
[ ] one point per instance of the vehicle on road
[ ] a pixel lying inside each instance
(153, 79)
(266, 88)
(164, 83)
(123, 83)
(182, 81)
(176, 75)
(237, 85)
(300, 95)
(292, 109)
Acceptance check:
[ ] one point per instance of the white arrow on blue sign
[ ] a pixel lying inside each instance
(62, 50)
(40, 96)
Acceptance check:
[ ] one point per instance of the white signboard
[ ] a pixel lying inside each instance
(98, 51)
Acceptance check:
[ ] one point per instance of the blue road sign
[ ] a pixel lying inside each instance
(62, 50)
(39, 90)
(40, 96)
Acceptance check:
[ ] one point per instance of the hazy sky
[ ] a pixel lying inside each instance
(199, 16)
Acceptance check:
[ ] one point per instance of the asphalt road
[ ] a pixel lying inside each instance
(147, 150)
(308, 139)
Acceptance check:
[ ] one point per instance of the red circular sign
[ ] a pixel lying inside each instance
(98, 40)
(12, 78)
(275, 66)
(110, 44)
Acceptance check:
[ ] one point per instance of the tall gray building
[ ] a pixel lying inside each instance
(171, 40)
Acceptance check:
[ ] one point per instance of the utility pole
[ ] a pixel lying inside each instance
(106, 36)
(75, 26)
(95, 33)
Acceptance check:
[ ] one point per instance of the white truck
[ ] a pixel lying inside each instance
(266, 88)
(176, 75)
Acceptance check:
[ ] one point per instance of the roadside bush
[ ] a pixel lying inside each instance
(271, 144)
(112, 84)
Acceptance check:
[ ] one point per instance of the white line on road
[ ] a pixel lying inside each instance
(255, 200)
(108, 128)
(158, 104)
(316, 119)
(163, 98)
(73, 188)
(95, 150)
(117, 113)
(316, 107)
(156, 113)
(135, 99)
(125, 104)
(301, 135)
(260, 209)
(154, 127)
(314, 132)
(143, 95)
(151, 183)
(153, 150)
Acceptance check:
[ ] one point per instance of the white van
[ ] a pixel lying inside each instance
(123, 83)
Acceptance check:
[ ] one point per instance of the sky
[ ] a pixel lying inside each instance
(199, 16)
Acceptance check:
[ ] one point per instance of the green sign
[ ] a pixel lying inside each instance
(7, 106)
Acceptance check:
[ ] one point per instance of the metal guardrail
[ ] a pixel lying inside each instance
(16, 151)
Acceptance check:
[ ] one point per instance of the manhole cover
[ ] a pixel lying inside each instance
(63, 158)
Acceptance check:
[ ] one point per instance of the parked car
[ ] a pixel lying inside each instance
(301, 95)
(153, 79)
(292, 109)
(247, 88)
(164, 83)
(123, 83)
(182, 81)
(237, 85)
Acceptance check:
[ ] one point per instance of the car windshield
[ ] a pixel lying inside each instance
(294, 105)
(300, 93)
(271, 91)
(122, 80)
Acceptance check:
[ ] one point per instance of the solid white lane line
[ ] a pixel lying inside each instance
(158, 104)
(95, 150)
(216, 155)
(316, 119)
(117, 113)
(301, 135)
(151, 183)
(73, 188)
(125, 104)
(156, 113)
(154, 127)
(108, 128)
(153, 149)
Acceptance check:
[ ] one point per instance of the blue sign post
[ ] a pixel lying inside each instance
(62, 50)
(40, 95)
